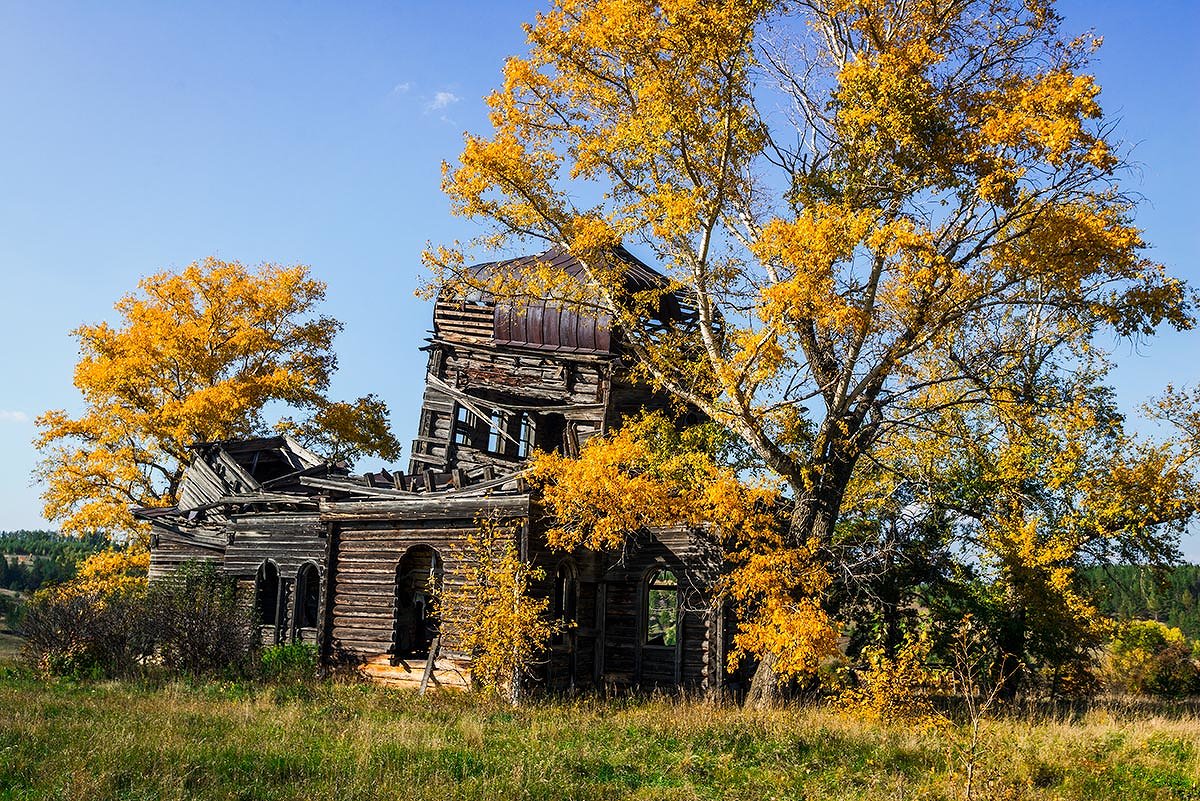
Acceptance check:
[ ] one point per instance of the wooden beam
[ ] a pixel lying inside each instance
(449, 505)
(433, 651)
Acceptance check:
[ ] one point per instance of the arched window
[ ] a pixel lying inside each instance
(662, 608)
(308, 596)
(418, 577)
(565, 601)
(266, 594)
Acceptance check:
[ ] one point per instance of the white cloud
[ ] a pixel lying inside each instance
(7, 416)
(401, 88)
(442, 100)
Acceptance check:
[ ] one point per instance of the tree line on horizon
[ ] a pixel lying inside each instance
(55, 557)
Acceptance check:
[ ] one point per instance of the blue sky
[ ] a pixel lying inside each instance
(138, 137)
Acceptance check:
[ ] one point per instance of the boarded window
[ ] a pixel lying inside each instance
(308, 596)
(662, 608)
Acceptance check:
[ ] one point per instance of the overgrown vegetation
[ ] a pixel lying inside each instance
(503, 627)
(62, 739)
(896, 256)
(193, 622)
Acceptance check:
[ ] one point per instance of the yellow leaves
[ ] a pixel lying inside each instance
(1046, 113)
(889, 118)
(342, 432)
(626, 92)
(195, 355)
(1146, 656)
(648, 474)
(593, 238)
(899, 688)
(811, 247)
(107, 573)
(778, 593)
(1086, 252)
(498, 623)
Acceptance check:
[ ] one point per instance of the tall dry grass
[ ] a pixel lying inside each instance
(63, 740)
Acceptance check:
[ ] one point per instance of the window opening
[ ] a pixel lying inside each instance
(551, 430)
(266, 593)
(418, 577)
(525, 435)
(308, 597)
(565, 602)
(662, 609)
(464, 427)
(496, 441)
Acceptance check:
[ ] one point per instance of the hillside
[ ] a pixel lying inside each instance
(32, 559)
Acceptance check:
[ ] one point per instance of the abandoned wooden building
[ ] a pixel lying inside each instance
(348, 561)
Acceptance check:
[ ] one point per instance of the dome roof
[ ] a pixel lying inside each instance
(544, 324)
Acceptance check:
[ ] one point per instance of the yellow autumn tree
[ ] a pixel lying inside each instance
(499, 623)
(193, 356)
(1038, 482)
(851, 193)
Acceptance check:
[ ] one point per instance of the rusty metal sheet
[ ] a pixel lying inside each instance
(543, 325)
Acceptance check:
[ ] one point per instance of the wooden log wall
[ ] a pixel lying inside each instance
(291, 540)
(609, 644)
(369, 539)
(169, 549)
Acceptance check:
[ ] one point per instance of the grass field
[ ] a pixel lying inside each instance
(65, 740)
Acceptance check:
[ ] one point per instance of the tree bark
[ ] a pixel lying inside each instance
(1011, 642)
(812, 519)
(764, 687)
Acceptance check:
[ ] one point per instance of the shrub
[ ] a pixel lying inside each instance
(289, 663)
(87, 634)
(1148, 657)
(504, 628)
(900, 688)
(200, 623)
(192, 622)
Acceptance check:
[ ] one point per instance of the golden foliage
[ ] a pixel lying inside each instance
(877, 210)
(499, 623)
(1146, 656)
(196, 356)
(942, 166)
(650, 473)
(899, 688)
(108, 573)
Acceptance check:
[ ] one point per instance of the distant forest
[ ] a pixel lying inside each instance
(52, 557)
(1168, 595)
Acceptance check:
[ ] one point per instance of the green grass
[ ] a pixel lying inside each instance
(67, 740)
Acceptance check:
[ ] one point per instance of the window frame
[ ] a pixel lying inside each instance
(307, 574)
(650, 585)
(564, 600)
